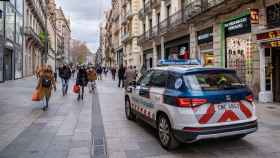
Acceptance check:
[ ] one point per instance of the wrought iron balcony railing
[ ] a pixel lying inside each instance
(180, 17)
(28, 31)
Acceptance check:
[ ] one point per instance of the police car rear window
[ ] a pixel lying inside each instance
(213, 81)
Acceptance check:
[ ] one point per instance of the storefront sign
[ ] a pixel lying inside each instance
(254, 16)
(205, 36)
(273, 15)
(238, 26)
(272, 44)
(268, 35)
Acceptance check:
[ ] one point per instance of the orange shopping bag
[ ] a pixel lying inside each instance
(36, 95)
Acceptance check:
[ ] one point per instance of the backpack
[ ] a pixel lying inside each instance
(46, 83)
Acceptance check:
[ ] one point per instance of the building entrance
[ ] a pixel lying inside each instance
(276, 73)
(8, 69)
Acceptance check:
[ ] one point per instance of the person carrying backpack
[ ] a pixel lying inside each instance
(82, 81)
(65, 75)
(46, 84)
(92, 76)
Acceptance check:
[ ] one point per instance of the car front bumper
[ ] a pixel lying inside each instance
(188, 135)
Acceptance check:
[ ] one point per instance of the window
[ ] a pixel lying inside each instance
(172, 78)
(19, 29)
(10, 22)
(2, 20)
(19, 6)
(145, 79)
(159, 79)
(213, 81)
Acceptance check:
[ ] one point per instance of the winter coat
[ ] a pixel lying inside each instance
(46, 91)
(82, 78)
(121, 73)
(65, 73)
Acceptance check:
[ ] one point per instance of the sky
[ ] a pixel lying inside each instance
(86, 16)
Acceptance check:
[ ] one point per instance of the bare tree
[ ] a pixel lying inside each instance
(79, 51)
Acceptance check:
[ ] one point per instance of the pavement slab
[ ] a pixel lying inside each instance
(64, 131)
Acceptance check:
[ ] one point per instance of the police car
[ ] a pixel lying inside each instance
(186, 102)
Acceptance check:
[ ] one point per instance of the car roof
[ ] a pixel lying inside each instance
(189, 68)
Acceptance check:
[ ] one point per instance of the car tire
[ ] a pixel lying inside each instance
(165, 133)
(128, 111)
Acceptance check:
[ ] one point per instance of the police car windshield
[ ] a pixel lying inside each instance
(213, 81)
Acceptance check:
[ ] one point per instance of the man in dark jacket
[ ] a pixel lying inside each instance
(82, 81)
(121, 73)
(65, 75)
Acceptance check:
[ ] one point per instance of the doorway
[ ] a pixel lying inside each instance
(276, 74)
(8, 69)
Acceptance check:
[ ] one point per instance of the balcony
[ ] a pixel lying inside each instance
(35, 10)
(126, 37)
(147, 9)
(129, 14)
(182, 17)
(33, 37)
(124, 3)
(156, 3)
(124, 20)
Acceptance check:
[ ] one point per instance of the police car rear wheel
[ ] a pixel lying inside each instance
(128, 113)
(165, 134)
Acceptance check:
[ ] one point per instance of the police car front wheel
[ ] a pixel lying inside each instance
(128, 112)
(165, 134)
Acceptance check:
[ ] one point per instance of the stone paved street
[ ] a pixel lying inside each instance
(126, 139)
(28, 132)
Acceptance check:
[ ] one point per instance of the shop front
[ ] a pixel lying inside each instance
(269, 46)
(238, 48)
(269, 43)
(205, 44)
(178, 48)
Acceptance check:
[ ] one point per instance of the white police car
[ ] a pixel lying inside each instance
(187, 103)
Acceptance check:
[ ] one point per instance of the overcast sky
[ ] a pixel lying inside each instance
(85, 16)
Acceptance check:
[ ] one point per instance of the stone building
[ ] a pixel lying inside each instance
(130, 30)
(35, 31)
(11, 40)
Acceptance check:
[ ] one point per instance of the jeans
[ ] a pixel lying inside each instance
(64, 86)
(121, 82)
(81, 93)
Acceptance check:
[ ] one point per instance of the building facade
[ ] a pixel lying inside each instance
(130, 30)
(35, 32)
(11, 40)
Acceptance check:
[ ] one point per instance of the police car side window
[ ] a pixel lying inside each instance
(159, 79)
(145, 80)
(172, 78)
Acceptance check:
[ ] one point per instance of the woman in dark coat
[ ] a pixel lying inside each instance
(82, 81)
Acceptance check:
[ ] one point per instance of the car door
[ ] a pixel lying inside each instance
(141, 94)
(157, 90)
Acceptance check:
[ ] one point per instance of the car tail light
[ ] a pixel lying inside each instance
(187, 102)
(250, 98)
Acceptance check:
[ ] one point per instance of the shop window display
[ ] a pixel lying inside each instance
(239, 56)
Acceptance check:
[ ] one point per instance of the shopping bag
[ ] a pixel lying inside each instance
(76, 88)
(36, 95)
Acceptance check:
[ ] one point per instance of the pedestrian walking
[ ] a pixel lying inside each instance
(46, 84)
(113, 71)
(92, 76)
(82, 81)
(130, 75)
(121, 73)
(65, 75)
(99, 72)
